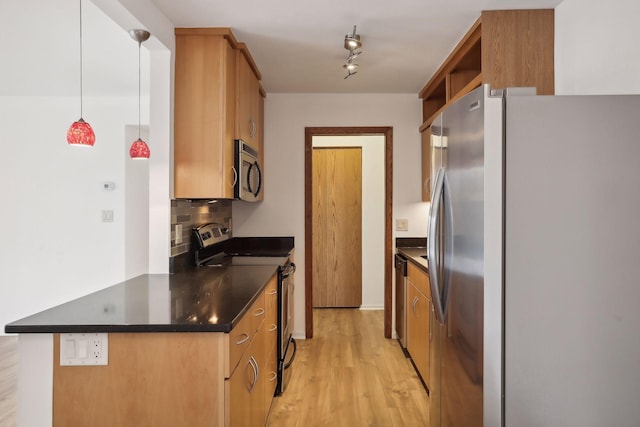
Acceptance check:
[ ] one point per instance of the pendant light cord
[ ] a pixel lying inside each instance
(139, 95)
(80, 58)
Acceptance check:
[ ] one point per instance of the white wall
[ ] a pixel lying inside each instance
(56, 247)
(286, 116)
(372, 212)
(597, 49)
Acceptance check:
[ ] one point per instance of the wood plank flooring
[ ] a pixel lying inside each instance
(350, 375)
(8, 380)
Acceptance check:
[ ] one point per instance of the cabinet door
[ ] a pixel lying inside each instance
(271, 341)
(418, 317)
(204, 115)
(426, 165)
(257, 399)
(241, 384)
(247, 103)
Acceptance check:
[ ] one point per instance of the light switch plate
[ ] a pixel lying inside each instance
(402, 225)
(84, 349)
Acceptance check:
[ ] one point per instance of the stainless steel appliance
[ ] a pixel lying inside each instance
(249, 180)
(401, 296)
(533, 245)
(212, 247)
(286, 343)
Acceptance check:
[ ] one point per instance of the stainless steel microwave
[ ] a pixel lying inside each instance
(249, 180)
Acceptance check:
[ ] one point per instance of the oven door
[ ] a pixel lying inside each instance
(285, 310)
(285, 366)
(286, 343)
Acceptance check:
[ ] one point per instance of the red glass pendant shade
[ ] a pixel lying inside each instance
(81, 133)
(139, 150)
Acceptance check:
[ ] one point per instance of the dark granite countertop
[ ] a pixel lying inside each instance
(205, 299)
(414, 255)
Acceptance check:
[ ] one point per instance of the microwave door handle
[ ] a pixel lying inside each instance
(259, 172)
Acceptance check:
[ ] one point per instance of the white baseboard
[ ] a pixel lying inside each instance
(371, 307)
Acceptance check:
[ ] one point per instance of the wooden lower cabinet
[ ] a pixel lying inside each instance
(203, 379)
(418, 326)
(246, 387)
(271, 343)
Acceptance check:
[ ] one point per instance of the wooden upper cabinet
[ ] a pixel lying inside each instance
(426, 164)
(517, 49)
(503, 48)
(217, 100)
(247, 100)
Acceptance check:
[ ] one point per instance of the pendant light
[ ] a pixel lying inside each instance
(80, 132)
(139, 149)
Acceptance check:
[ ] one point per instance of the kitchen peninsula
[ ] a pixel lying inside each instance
(191, 347)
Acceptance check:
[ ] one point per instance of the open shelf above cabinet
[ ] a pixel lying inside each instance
(503, 48)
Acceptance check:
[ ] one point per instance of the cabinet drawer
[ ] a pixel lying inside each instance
(419, 278)
(241, 335)
(271, 302)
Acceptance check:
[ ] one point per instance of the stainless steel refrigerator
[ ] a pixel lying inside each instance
(534, 261)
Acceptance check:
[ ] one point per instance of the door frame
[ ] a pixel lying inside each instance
(309, 133)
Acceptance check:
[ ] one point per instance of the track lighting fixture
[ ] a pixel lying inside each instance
(351, 43)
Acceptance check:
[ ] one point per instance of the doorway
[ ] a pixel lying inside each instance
(387, 132)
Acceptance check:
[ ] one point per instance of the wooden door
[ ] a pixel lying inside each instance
(337, 227)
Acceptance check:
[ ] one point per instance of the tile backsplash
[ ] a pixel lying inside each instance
(190, 213)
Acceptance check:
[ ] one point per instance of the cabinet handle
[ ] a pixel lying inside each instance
(272, 292)
(259, 312)
(235, 176)
(431, 325)
(243, 340)
(426, 185)
(252, 127)
(273, 327)
(273, 376)
(254, 367)
(415, 302)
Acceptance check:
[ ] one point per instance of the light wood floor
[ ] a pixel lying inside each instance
(8, 380)
(350, 375)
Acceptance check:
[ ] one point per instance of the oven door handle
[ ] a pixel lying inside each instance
(293, 356)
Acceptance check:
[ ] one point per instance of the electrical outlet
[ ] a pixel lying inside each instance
(178, 234)
(96, 348)
(84, 349)
(107, 215)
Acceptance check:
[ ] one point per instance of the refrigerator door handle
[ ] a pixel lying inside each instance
(448, 249)
(432, 251)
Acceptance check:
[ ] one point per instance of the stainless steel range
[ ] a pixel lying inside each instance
(213, 247)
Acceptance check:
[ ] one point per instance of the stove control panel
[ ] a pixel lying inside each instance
(210, 234)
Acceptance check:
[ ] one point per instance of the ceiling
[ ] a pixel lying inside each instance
(298, 45)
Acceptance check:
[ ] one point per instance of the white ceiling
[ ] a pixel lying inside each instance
(40, 51)
(298, 45)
